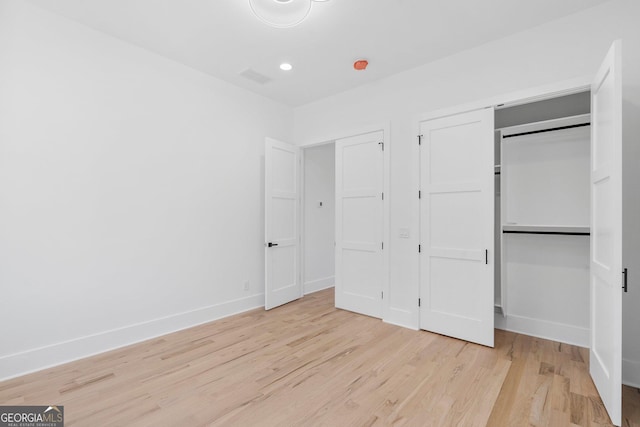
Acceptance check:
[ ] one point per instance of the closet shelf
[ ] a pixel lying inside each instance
(546, 126)
(546, 229)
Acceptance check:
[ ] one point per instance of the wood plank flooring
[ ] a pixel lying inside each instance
(308, 364)
(630, 407)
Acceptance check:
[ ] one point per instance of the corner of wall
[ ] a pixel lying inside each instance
(318, 285)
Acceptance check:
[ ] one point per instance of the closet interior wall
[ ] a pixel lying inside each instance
(542, 218)
(319, 194)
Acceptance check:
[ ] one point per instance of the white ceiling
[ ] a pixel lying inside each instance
(223, 38)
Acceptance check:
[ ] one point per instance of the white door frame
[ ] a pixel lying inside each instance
(567, 87)
(331, 139)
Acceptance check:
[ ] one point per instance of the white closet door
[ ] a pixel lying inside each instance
(282, 213)
(456, 226)
(605, 363)
(359, 223)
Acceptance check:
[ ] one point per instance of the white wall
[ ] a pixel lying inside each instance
(131, 192)
(319, 222)
(564, 49)
(547, 281)
(631, 214)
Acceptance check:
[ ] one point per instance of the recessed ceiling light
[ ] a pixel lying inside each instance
(285, 66)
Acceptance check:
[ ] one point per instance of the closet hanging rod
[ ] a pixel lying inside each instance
(547, 130)
(557, 233)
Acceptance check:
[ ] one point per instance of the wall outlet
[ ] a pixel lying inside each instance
(247, 286)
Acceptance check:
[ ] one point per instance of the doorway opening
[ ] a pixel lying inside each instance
(318, 217)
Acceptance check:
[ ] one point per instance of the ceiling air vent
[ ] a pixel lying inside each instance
(255, 76)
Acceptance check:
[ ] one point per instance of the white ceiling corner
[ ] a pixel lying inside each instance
(223, 38)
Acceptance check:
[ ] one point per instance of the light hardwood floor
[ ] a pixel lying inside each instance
(308, 364)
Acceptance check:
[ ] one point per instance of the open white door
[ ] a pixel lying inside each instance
(605, 362)
(456, 226)
(282, 214)
(359, 223)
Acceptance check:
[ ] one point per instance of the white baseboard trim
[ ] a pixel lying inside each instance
(37, 359)
(561, 332)
(631, 373)
(319, 285)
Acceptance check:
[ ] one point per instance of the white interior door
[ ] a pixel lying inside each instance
(282, 216)
(359, 223)
(456, 226)
(605, 362)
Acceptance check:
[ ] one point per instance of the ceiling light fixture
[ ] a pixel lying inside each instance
(285, 66)
(282, 13)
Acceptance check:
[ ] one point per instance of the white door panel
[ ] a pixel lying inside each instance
(282, 212)
(456, 226)
(359, 224)
(605, 363)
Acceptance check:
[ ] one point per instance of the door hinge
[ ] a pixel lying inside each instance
(624, 280)
(382, 294)
(382, 145)
(419, 302)
(419, 248)
(419, 139)
(382, 245)
(419, 194)
(486, 256)
(383, 196)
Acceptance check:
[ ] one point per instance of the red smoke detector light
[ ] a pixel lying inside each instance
(360, 64)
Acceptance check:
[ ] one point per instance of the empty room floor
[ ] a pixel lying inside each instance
(309, 364)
